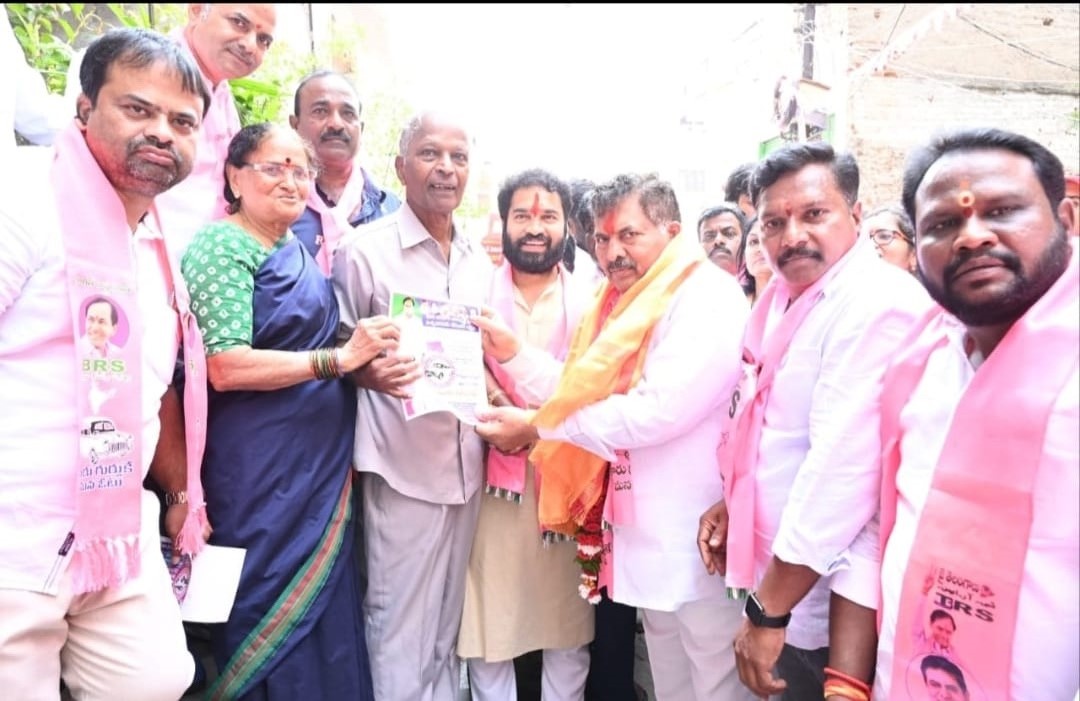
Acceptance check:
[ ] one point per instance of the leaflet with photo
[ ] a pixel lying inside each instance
(442, 337)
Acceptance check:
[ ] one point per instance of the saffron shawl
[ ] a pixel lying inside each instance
(606, 357)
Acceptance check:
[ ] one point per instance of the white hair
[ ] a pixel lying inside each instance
(415, 124)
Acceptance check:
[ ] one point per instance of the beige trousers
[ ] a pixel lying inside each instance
(125, 643)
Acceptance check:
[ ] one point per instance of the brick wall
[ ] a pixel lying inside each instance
(1010, 66)
(891, 115)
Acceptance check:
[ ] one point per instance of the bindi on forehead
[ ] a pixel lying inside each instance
(535, 209)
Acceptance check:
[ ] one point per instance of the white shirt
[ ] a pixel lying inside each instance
(819, 454)
(670, 423)
(1047, 643)
(587, 271)
(38, 436)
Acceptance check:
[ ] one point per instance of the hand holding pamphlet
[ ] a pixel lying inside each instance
(441, 336)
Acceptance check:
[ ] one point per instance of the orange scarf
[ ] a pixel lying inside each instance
(606, 357)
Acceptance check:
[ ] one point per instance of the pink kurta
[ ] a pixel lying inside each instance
(200, 198)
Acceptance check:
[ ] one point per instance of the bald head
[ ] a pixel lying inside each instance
(425, 121)
(433, 164)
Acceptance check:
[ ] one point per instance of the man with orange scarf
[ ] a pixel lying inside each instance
(628, 428)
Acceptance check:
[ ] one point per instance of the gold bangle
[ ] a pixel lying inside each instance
(495, 394)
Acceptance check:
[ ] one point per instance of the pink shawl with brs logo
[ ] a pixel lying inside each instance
(100, 266)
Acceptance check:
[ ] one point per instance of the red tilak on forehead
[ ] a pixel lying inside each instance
(536, 204)
(608, 224)
(966, 199)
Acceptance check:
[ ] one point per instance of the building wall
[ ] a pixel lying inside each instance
(1011, 66)
(891, 115)
(728, 104)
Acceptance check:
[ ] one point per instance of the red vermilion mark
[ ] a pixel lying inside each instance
(966, 200)
(608, 224)
(535, 209)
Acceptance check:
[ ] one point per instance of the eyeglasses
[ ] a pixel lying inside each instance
(883, 237)
(277, 171)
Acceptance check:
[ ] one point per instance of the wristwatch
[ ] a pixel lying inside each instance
(756, 613)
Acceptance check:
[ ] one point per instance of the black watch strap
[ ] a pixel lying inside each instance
(755, 612)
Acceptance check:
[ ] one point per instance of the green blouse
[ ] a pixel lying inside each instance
(219, 268)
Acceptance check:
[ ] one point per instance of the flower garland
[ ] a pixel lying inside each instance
(590, 546)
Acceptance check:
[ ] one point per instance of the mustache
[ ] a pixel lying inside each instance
(720, 248)
(152, 142)
(335, 134)
(240, 51)
(1009, 259)
(620, 263)
(534, 238)
(795, 253)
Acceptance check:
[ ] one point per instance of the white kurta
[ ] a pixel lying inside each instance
(1047, 643)
(820, 449)
(670, 422)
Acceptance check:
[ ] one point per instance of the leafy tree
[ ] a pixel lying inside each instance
(49, 33)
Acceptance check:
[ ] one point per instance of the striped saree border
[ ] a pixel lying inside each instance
(290, 608)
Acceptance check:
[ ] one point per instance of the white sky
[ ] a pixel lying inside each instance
(582, 89)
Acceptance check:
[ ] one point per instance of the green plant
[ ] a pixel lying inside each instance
(48, 33)
(263, 96)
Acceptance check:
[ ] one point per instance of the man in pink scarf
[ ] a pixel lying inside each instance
(326, 112)
(521, 592)
(805, 445)
(979, 516)
(84, 593)
(227, 41)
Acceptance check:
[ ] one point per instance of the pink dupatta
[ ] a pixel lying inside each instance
(971, 541)
(335, 219)
(99, 264)
(506, 472)
(738, 453)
